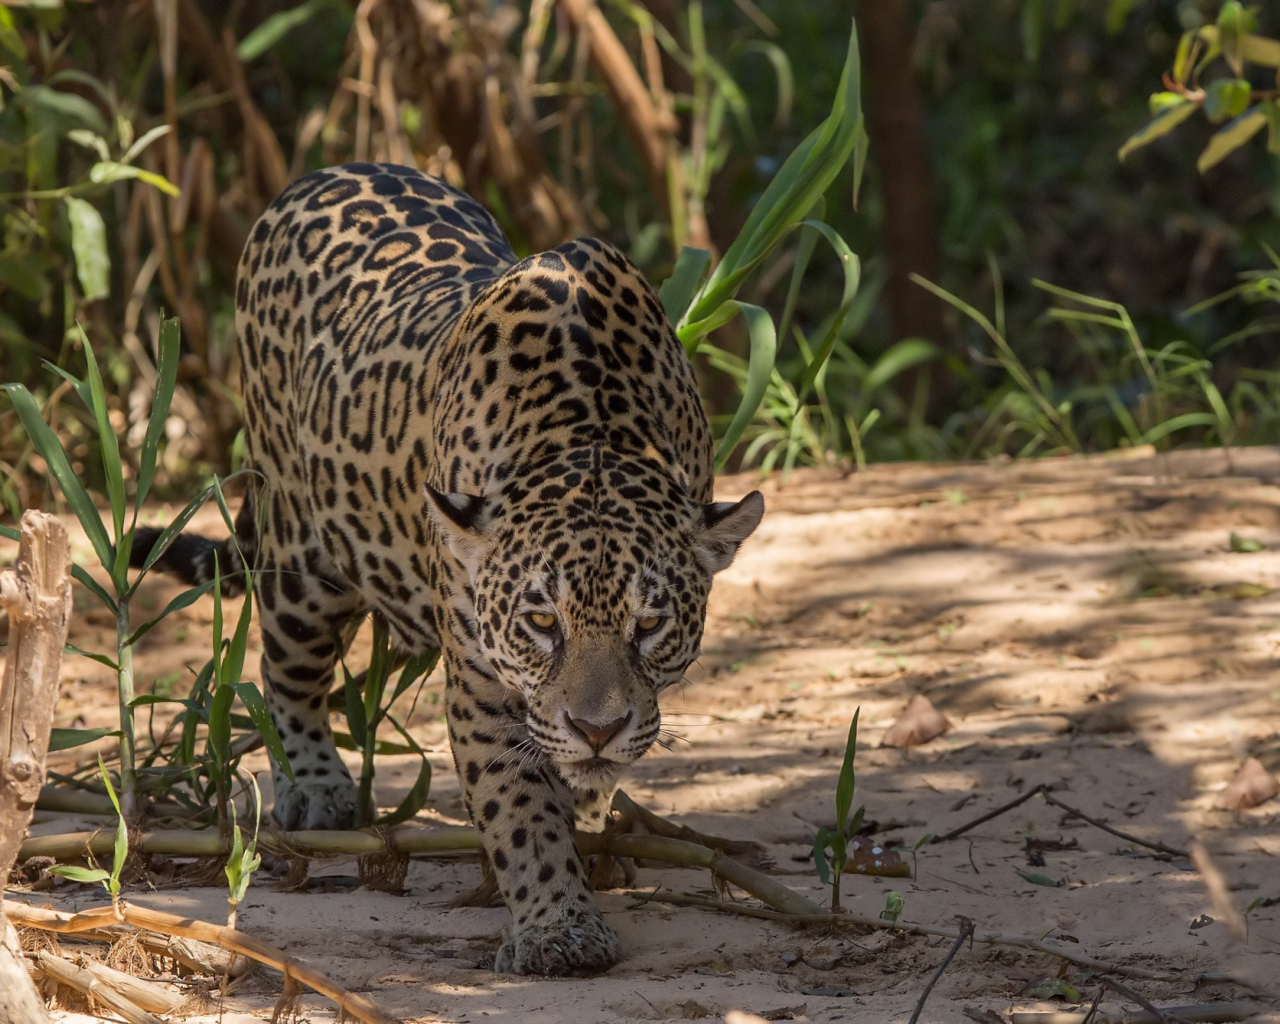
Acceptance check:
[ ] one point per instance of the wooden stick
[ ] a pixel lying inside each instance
(350, 1003)
(145, 995)
(36, 593)
(96, 988)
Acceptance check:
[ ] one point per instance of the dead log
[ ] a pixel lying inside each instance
(36, 594)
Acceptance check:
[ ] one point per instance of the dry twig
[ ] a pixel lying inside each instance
(966, 932)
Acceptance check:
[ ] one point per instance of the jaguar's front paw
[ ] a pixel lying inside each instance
(583, 945)
(311, 804)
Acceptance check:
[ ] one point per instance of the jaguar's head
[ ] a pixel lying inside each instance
(590, 580)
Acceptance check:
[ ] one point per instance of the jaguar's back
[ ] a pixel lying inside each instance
(507, 460)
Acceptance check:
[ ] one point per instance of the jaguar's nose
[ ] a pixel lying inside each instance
(597, 734)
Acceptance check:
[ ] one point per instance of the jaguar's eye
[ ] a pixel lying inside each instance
(648, 624)
(543, 622)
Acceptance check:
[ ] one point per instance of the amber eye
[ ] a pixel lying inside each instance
(544, 622)
(648, 624)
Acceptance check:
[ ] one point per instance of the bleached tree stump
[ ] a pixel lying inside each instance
(36, 593)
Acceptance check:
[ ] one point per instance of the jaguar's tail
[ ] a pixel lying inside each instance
(191, 558)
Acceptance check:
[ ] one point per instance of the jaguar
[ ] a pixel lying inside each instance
(509, 461)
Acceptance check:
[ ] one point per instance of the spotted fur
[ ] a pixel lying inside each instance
(507, 460)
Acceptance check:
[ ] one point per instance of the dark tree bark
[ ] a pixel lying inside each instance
(900, 151)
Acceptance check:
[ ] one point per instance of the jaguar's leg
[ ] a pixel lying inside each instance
(304, 612)
(525, 815)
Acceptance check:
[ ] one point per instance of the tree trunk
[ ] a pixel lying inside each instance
(896, 123)
(36, 593)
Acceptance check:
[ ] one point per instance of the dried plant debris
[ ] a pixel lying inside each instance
(919, 723)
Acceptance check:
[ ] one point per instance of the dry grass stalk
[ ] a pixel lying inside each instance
(352, 1004)
(100, 989)
(36, 595)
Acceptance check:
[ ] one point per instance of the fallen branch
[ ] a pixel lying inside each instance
(1119, 986)
(987, 938)
(231, 939)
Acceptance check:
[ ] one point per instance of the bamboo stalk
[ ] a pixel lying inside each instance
(409, 840)
(350, 1003)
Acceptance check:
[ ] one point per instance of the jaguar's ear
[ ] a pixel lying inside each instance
(726, 524)
(462, 520)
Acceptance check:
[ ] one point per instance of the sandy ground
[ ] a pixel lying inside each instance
(1063, 614)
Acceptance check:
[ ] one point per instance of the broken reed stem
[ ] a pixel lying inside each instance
(966, 932)
(1137, 997)
(987, 938)
(444, 839)
(101, 989)
(351, 1004)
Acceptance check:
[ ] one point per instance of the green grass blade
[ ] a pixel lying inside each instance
(171, 531)
(900, 357)
(804, 176)
(183, 600)
(252, 700)
(1190, 419)
(764, 350)
(93, 586)
(113, 469)
(101, 659)
(677, 290)
(68, 739)
(416, 798)
(233, 664)
(55, 456)
(167, 376)
(804, 253)
(852, 268)
(354, 708)
(418, 667)
(848, 780)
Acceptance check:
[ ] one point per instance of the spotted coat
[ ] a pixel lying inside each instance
(507, 460)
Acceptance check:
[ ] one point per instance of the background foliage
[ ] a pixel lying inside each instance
(110, 107)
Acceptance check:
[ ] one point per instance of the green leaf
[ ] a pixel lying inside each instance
(183, 600)
(112, 467)
(89, 875)
(220, 724)
(1182, 62)
(101, 659)
(1272, 109)
(1161, 126)
(354, 709)
(418, 667)
(677, 290)
(1188, 419)
(1226, 98)
(1053, 988)
(1261, 50)
(804, 176)
(166, 380)
(1232, 137)
(90, 140)
(847, 781)
(145, 140)
(1242, 545)
(1117, 14)
(852, 268)
(51, 450)
(252, 700)
(821, 841)
(66, 739)
(898, 358)
(416, 798)
(167, 535)
(107, 171)
(233, 665)
(89, 243)
(1159, 102)
(1032, 29)
(275, 28)
(764, 350)
(64, 107)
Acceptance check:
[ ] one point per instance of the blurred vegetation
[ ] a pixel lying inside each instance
(140, 138)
